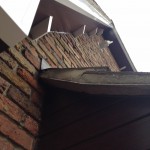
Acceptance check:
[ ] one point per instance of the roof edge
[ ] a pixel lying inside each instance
(99, 10)
(123, 48)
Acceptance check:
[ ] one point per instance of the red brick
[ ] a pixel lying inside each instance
(5, 144)
(64, 37)
(16, 134)
(51, 63)
(47, 52)
(24, 102)
(67, 63)
(36, 98)
(8, 60)
(54, 47)
(14, 78)
(35, 61)
(72, 39)
(49, 48)
(30, 79)
(69, 40)
(60, 61)
(3, 85)
(56, 34)
(19, 47)
(16, 113)
(30, 47)
(72, 60)
(39, 50)
(65, 57)
(11, 109)
(63, 44)
(70, 51)
(69, 48)
(31, 125)
(22, 61)
(51, 37)
(56, 41)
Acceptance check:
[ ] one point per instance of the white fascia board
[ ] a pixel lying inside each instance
(83, 8)
(17, 17)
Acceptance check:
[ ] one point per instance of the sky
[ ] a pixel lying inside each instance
(132, 21)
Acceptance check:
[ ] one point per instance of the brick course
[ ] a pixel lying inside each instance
(8, 59)
(12, 77)
(5, 144)
(35, 61)
(3, 85)
(23, 101)
(26, 43)
(29, 79)
(22, 61)
(16, 113)
(13, 132)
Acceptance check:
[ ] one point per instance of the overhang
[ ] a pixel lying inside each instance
(68, 17)
(98, 81)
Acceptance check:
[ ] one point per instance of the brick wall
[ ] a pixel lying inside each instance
(21, 95)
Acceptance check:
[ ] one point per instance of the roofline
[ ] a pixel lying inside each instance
(100, 10)
(123, 48)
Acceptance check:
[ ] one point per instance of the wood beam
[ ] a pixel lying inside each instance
(41, 28)
(93, 32)
(105, 44)
(79, 31)
(97, 81)
(100, 31)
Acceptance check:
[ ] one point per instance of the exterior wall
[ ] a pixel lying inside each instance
(21, 95)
